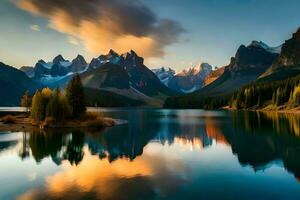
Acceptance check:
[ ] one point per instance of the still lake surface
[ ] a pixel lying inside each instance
(158, 154)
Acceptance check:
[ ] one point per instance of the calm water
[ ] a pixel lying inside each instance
(158, 154)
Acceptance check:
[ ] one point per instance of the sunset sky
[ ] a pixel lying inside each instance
(170, 33)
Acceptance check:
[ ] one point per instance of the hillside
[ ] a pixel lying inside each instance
(13, 84)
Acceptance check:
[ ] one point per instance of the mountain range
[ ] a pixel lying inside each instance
(126, 77)
(247, 65)
(256, 62)
(122, 75)
(185, 81)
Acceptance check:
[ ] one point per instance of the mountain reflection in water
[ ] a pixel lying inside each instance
(138, 160)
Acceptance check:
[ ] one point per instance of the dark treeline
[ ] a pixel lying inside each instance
(197, 102)
(255, 95)
(276, 93)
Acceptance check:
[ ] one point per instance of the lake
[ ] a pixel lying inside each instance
(158, 154)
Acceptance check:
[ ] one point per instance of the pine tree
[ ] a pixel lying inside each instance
(58, 107)
(26, 100)
(75, 96)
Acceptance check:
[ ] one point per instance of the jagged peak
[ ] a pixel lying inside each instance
(198, 68)
(261, 44)
(41, 61)
(133, 53)
(59, 58)
(79, 58)
(112, 53)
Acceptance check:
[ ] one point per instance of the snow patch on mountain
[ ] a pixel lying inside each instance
(185, 81)
(164, 74)
(266, 47)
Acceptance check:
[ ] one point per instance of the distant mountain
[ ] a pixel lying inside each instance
(164, 74)
(13, 84)
(288, 62)
(29, 71)
(186, 81)
(49, 72)
(248, 64)
(78, 64)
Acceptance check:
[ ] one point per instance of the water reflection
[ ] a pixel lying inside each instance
(260, 138)
(107, 164)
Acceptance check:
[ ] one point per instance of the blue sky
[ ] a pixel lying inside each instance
(214, 29)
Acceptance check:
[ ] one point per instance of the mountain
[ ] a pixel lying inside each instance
(288, 62)
(188, 81)
(263, 45)
(215, 74)
(185, 81)
(13, 84)
(248, 64)
(126, 75)
(50, 72)
(164, 74)
(123, 74)
(111, 57)
(141, 78)
(107, 76)
(78, 64)
(29, 71)
(105, 98)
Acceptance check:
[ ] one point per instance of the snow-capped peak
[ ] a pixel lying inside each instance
(266, 47)
(197, 69)
(164, 74)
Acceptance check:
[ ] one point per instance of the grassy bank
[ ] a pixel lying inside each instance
(21, 122)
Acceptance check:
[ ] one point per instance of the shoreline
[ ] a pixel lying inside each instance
(282, 111)
(23, 123)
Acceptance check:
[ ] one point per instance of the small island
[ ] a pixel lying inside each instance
(55, 109)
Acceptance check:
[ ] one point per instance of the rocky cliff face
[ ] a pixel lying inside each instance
(288, 62)
(251, 59)
(247, 65)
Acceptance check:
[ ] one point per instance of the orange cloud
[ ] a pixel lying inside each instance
(101, 25)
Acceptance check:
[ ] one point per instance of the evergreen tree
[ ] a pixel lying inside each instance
(26, 100)
(58, 107)
(75, 96)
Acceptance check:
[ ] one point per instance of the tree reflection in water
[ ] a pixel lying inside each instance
(257, 139)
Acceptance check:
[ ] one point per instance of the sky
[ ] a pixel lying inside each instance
(169, 33)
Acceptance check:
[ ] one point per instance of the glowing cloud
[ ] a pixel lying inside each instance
(101, 25)
(35, 27)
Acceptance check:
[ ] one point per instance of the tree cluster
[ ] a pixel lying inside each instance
(275, 92)
(57, 106)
